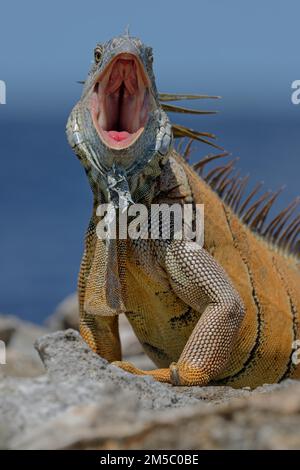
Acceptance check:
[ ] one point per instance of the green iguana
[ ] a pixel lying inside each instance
(225, 313)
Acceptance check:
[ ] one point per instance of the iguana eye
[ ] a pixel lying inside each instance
(98, 54)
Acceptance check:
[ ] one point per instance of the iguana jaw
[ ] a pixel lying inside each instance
(120, 101)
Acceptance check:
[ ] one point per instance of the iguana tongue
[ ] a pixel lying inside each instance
(118, 136)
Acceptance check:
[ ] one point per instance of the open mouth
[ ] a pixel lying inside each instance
(120, 102)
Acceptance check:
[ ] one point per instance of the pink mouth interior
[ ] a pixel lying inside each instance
(120, 102)
(118, 136)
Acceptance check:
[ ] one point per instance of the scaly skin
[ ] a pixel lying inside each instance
(227, 313)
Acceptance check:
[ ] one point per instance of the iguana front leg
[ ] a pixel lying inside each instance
(202, 284)
(101, 333)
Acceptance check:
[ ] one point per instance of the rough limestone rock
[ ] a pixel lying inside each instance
(19, 336)
(75, 376)
(260, 421)
(82, 402)
(66, 316)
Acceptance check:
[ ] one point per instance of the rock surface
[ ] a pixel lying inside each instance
(83, 402)
(21, 357)
(66, 315)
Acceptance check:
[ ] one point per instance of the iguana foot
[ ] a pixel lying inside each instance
(176, 374)
(128, 367)
(188, 375)
(161, 375)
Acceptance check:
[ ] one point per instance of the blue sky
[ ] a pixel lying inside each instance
(247, 51)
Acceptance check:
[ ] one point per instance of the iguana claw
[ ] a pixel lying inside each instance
(128, 367)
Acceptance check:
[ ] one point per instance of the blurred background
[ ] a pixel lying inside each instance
(247, 52)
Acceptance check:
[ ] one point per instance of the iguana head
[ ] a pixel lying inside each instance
(118, 128)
